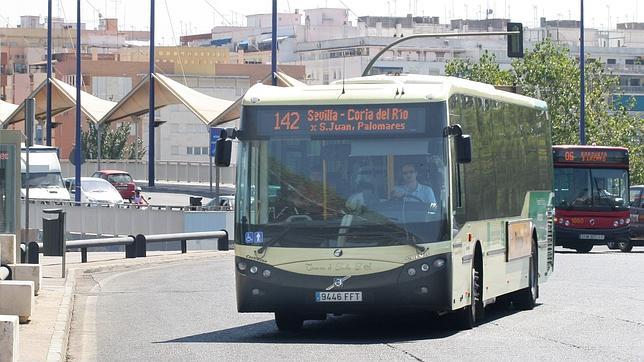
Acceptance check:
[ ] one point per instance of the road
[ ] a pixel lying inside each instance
(591, 309)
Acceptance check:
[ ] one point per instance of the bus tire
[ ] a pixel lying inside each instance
(526, 299)
(469, 316)
(288, 322)
(625, 246)
(584, 248)
(612, 245)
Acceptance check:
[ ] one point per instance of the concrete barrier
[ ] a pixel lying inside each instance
(7, 249)
(28, 272)
(17, 298)
(8, 338)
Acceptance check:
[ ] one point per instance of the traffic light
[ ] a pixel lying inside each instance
(515, 41)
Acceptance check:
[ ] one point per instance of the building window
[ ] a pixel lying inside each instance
(189, 150)
(629, 62)
(197, 151)
(611, 61)
(204, 150)
(635, 82)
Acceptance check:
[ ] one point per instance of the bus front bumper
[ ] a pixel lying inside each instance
(391, 290)
(569, 237)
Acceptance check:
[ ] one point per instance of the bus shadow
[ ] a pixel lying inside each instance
(599, 252)
(347, 329)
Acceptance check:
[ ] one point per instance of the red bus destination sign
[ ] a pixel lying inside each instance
(596, 156)
(335, 120)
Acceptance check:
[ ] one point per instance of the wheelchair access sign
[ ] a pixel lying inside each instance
(254, 237)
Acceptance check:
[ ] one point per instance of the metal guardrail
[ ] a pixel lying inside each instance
(129, 205)
(135, 246)
(98, 222)
(172, 171)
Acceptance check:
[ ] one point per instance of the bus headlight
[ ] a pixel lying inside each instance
(615, 223)
(438, 263)
(254, 269)
(241, 266)
(627, 221)
(266, 273)
(621, 221)
(411, 272)
(424, 267)
(567, 222)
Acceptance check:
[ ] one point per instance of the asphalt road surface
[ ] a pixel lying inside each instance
(591, 309)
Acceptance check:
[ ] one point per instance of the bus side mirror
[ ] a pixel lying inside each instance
(463, 148)
(223, 151)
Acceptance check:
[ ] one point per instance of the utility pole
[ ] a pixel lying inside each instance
(274, 45)
(151, 102)
(48, 116)
(582, 108)
(77, 150)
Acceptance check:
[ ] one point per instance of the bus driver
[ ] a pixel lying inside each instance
(412, 190)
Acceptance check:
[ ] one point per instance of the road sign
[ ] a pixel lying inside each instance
(215, 132)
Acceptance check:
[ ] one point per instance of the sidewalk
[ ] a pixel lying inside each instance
(44, 338)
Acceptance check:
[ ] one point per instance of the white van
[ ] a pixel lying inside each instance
(45, 178)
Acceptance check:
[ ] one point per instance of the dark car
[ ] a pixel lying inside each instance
(637, 214)
(121, 180)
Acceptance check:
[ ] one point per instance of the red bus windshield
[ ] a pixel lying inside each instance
(591, 189)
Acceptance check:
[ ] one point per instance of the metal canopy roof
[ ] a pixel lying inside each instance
(166, 92)
(63, 98)
(233, 111)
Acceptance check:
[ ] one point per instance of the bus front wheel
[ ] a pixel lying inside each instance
(288, 322)
(625, 246)
(612, 245)
(469, 316)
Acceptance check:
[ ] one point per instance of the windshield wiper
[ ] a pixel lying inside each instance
(273, 241)
(411, 241)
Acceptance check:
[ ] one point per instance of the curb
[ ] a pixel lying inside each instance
(59, 341)
(58, 344)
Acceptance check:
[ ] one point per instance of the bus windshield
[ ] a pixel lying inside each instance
(303, 192)
(591, 189)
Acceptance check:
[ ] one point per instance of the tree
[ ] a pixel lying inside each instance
(549, 73)
(114, 143)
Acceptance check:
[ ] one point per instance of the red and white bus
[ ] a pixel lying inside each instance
(591, 197)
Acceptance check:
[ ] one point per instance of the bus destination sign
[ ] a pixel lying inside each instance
(589, 155)
(336, 120)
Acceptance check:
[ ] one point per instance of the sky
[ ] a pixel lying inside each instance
(180, 17)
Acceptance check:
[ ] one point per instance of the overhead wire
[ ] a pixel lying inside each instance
(217, 11)
(174, 39)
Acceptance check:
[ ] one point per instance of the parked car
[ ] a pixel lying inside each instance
(94, 190)
(225, 202)
(121, 180)
(637, 214)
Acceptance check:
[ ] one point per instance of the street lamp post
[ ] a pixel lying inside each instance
(582, 108)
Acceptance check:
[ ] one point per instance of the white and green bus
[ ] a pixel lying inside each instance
(386, 193)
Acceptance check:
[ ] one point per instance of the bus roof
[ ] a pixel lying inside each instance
(383, 89)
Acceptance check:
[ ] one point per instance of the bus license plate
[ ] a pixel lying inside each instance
(338, 296)
(591, 237)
